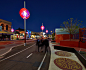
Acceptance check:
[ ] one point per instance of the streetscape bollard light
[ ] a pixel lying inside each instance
(25, 14)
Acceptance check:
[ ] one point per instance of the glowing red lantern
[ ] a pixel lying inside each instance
(42, 27)
(27, 32)
(12, 30)
(24, 13)
(46, 31)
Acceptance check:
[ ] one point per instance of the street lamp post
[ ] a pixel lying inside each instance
(25, 14)
(25, 26)
(42, 28)
(12, 30)
(46, 31)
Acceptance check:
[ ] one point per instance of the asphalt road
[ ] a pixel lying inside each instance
(25, 58)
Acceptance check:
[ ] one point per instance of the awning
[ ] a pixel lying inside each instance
(5, 32)
(2, 32)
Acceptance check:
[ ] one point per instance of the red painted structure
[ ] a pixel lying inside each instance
(72, 43)
(82, 34)
(82, 38)
(61, 37)
(64, 39)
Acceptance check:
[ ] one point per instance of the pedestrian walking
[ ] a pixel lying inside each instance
(38, 43)
(46, 43)
(42, 44)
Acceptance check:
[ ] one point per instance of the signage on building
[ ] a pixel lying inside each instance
(61, 31)
(0, 28)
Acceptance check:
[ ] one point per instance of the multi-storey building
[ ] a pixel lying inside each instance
(5, 29)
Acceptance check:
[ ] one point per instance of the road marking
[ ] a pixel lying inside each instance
(11, 49)
(29, 55)
(16, 53)
(42, 62)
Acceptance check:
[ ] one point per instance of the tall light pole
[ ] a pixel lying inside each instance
(12, 30)
(25, 26)
(42, 28)
(25, 14)
(46, 32)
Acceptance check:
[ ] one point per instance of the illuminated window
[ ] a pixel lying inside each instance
(2, 26)
(6, 27)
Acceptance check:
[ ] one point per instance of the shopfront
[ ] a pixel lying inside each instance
(5, 36)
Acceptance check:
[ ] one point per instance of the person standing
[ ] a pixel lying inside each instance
(46, 43)
(38, 44)
(41, 44)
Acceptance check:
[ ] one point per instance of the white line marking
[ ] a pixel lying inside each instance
(16, 53)
(42, 62)
(11, 49)
(29, 55)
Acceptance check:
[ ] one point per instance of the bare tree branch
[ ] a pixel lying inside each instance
(72, 26)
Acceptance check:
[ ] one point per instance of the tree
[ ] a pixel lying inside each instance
(72, 26)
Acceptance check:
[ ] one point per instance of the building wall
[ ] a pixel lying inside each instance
(60, 37)
(61, 31)
(82, 34)
(6, 23)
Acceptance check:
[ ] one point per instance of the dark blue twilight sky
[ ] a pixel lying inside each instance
(51, 13)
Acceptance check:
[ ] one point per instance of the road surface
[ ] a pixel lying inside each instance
(25, 58)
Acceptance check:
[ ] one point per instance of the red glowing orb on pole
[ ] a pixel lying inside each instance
(46, 31)
(42, 27)
(24, 13)
(12, 30)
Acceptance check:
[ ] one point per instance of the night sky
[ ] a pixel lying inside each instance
(51, 13)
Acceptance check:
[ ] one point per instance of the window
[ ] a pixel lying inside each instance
(6, 27)
(2, 26)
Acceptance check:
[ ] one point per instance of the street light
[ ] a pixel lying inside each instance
(42, 28)
(25, 14)
(51, 32)
(46, 31)
(12, 30)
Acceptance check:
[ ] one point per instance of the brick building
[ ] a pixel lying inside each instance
(5, 31)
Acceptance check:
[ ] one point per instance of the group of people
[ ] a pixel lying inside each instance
(41, 43)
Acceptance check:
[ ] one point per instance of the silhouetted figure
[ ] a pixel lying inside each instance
(41, 44)
(38, 44)
(46, 43)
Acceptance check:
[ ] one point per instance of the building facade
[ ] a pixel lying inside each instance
(5, 29)
(35, 34)
(6, 25)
